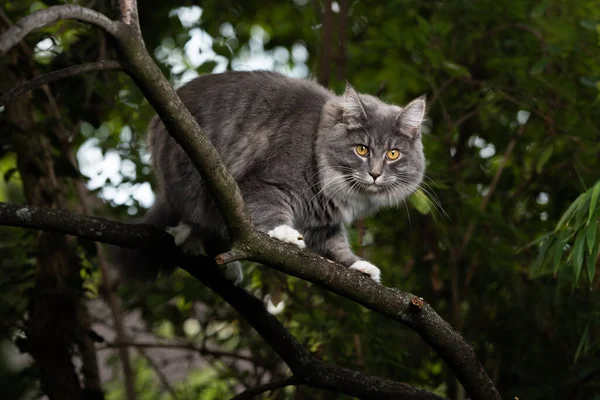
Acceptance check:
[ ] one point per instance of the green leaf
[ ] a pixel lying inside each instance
(594, 201)
(557, 255)
(569, 213)
(542, 254)
(544, 157)
(583, 342)
(420, 201)
(8, 174)
(591, 262)
(456, 70)
(578, 249)
(590, 234)
(538, 67)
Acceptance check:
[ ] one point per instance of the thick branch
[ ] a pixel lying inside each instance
(393, 303)
(104, 65)
(53, 14)
(313, 372)
(186, 131)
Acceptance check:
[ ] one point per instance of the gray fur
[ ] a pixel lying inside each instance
(290, 144)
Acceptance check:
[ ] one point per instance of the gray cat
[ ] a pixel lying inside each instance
(307, 162)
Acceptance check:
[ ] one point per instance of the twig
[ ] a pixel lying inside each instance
(104, 65)
(326, 43)
(182, 346)
(251, 393)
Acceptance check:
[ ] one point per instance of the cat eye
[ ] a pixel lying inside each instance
(362, 150)
(393, 154)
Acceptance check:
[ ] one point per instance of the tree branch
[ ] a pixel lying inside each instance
(53, 14)
(104, 65)
(185, 130)
(312, 371)
(255, 391)
(392, 303)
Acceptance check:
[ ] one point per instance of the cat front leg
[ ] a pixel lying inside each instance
(271, 214)
(332, 243)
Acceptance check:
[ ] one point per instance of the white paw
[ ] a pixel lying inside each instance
(367, 268)
(180, 233)
(287, 234)
(233, 272)
(272, 308)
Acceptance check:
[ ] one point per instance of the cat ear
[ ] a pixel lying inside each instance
(353, 110)
(411, 117)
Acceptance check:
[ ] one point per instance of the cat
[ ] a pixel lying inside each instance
(306, 160)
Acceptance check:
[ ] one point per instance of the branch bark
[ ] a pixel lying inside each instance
(303, 365)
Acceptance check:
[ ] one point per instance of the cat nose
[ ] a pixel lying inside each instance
(375, 175)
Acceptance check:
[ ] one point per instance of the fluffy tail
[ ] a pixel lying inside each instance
(144, 265)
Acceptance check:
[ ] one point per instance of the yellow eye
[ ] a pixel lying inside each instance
(392, 154)
(362, 150)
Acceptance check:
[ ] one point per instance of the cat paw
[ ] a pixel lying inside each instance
(184, 238)
(233, 272)
(180, 233)
(367, 268)
(272, 308)
(287, 234)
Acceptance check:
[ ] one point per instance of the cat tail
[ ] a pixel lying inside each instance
(146, 265)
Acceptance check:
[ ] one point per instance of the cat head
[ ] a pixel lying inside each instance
(370, 150)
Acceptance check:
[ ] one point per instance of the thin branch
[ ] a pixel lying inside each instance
(182, 346)
(326, 43)
(255, 391)
(53, 14)
(314, 372)
(104, 65)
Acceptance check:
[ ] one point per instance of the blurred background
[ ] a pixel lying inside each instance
(501, 239)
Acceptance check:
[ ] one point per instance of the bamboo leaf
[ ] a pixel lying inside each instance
(542, 254)
(557, 255)
(594, 201)
(578, 249)
(569, 213)
(591, 262)
(590, 234)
